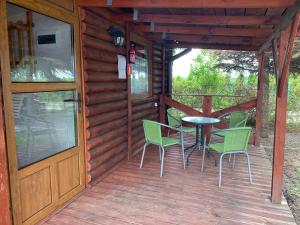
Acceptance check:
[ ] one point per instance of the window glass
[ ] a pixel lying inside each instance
(45, 124)
(140, 71)
(41, 47)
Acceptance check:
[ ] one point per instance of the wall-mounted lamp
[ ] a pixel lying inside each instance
(117, 35)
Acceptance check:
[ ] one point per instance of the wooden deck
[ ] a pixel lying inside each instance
(139, 196)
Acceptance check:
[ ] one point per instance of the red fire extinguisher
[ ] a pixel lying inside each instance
(132, 54)
(129, 69)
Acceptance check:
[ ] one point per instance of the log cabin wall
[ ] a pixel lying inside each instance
(145, 108)
(105, 94)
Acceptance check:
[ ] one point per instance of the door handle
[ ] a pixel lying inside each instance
(77, 100)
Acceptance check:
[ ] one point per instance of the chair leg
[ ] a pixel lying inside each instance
(249, 168)
(159, 150)
(220, 170)
(182, 150)
(162, 161)
(233, 163)
(203, 157)
(142, 160)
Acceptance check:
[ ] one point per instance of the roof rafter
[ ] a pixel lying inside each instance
(243, 32)
(213, 46)
(207, 39)
(201, 20)
(188, 3)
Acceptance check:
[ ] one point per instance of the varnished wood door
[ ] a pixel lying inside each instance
(42, 91)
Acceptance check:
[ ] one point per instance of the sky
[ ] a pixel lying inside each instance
(181, 66)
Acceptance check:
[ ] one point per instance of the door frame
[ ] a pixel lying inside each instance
(46, 8)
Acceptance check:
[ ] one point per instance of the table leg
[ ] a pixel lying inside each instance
(202, 134)
(197, 144)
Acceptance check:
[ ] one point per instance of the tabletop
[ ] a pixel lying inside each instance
(200, 120)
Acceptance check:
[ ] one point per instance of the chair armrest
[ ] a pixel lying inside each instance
(241, 122)
(223, 115)
(215, 131)
(226, 130)
(167, 126)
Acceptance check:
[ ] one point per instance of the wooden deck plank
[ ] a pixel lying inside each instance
(139, 196)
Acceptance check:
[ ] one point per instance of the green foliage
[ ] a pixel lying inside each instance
(206, 78)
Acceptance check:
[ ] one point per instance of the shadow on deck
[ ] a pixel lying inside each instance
(139, 196)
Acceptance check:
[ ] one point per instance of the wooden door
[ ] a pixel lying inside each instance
(43, 119)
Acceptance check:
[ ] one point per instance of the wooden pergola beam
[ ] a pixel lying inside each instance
(287, 60)
(188, 3)
(243, 32)
(207, 39)
(180, 54)
(239, 107)
(201, 20)
(213, 46)
(285, 22)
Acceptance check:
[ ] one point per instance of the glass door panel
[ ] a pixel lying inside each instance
(45, 124)
(41, 47)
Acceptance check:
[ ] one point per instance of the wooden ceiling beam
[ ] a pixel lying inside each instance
(211, 46)
(289, 16)
(207, 39)
(188, 3)
(243, 32)
(201, 20)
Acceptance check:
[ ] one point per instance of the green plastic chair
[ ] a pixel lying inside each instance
(154, 136)
(236, 119)
(174, 120)
(235, 142)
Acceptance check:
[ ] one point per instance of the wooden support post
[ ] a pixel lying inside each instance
(129, 102)
(164, 71)
(162, 113)
(207, 108)
(4, 182)
(278, 150)
(259, 102)
(88, 177)
(285, 48)
(162, 110)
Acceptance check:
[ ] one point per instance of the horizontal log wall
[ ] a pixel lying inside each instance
(145, 108)
(105, 94)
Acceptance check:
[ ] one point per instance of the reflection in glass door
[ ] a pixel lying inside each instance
(41, 47)
(45, 124)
